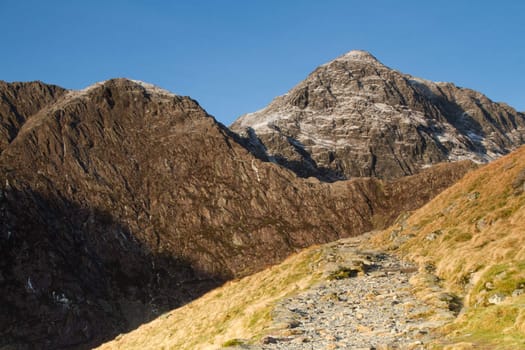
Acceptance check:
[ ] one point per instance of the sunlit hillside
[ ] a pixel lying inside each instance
(472, 237)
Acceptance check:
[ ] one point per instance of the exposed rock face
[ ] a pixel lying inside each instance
(356, 117)
(18, 101)
(123, 200)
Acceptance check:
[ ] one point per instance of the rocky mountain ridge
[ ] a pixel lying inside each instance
(19, 101)
(355, 117)
(121, 201)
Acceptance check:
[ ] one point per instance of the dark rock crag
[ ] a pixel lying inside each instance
(18, 102)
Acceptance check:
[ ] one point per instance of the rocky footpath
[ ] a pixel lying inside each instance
(365, 302)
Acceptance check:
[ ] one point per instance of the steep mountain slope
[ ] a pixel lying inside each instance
(18, 101)
(471, 239)
(354, 117)
(123, 200)
(468, 243)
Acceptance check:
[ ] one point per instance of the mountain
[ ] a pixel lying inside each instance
(354, 117)
(121, 201)
(466, 290)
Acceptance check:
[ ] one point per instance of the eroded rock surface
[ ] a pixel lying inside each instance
(19, 101)
(354, 117)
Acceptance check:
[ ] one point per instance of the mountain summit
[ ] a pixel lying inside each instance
(354, 117)
(358, 55)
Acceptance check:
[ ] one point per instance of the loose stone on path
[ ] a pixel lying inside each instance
(373, 310)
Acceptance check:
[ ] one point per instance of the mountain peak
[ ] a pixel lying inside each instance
(395, 123)
(150, 88)
(358, 56)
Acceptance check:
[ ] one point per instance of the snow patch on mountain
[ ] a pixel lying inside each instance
(150, 88)
(153, 89)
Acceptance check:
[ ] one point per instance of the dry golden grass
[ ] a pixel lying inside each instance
(238, 310)
(472, 236)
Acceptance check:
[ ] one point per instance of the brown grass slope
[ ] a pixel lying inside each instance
(472, 237)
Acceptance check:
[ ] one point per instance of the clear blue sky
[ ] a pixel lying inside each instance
(235, 56)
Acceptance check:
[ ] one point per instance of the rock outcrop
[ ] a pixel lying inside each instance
(19, 101)
(121, 201)
(355, 117)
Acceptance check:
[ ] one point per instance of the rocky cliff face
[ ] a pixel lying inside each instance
(123, 200)
(356, 117)
(19, 101)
